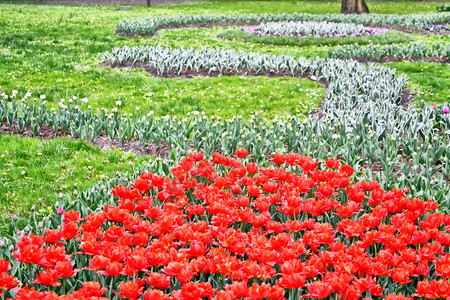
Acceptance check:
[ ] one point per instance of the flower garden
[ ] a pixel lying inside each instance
(289, 155)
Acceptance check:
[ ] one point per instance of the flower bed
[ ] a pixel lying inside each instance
(149, 26)
(417, 51)
(313, 29)
(228, 229)
(437, 27)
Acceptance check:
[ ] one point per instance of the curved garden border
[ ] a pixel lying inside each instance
(388, 38)
(150, 26)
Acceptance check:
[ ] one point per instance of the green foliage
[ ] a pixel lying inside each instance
(443, 7)
(391, 37)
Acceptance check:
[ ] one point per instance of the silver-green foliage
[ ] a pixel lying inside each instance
(148, 26)
(307, 28)
(412, 51)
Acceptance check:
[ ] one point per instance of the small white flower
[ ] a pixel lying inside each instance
(85, 100)
(42, 97)
(28, 94)
(137, 108)
(14, 92)
(118, 103)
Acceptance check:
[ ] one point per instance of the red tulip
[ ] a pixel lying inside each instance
(130, 290)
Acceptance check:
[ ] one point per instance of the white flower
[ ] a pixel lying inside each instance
(28, 94)
(137, 108)
(42, 97)
(118, 103)
(85, 100)
(14, 92)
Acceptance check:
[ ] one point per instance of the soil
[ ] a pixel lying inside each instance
(185, 73)
(102, 141)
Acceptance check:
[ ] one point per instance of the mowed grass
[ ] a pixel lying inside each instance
(56, 50)
(226, 96)
(429, 81)
(34, 172)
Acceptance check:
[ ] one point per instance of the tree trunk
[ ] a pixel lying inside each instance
(354, 7)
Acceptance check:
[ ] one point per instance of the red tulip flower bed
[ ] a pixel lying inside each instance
(295, 230)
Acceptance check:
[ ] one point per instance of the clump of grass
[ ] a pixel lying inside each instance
(34, 171)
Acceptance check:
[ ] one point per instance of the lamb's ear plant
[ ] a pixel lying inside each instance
(413, 51)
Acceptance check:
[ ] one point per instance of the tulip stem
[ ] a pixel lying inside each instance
(111, 285)
(64, 286)
(30, 273)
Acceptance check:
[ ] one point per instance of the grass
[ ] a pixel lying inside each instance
(313, 7)
(389, 38)
(34, 171)
(225, 96)
(429, 81)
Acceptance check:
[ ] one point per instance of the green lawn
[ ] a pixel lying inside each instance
(34, 172)
(430, 81)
